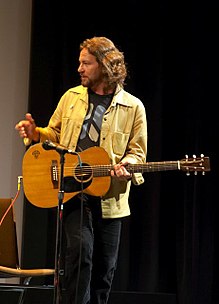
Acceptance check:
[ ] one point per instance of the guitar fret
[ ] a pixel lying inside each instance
(152, 167)
(104, 170)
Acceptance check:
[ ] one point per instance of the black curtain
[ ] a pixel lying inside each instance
(170, 242)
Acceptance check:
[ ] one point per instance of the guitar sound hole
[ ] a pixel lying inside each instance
(83, 173)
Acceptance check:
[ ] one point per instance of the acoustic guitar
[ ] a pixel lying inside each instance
(88, 171)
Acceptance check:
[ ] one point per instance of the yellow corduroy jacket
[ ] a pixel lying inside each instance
(123, 136)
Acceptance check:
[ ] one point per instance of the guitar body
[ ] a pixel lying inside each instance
(41, 175)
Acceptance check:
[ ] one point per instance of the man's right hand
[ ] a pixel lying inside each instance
(27, 128)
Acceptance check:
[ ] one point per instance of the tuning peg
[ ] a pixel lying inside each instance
(194, 157)
(195, 164)
(202, 156)
(187, 158)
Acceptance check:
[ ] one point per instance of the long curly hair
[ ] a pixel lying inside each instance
(114, 68)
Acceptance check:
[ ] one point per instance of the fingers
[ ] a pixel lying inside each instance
(120, 171)
(26, 127)
(29, 118)
(25, 123)
(21, 128)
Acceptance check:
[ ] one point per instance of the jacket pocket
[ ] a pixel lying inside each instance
(119, 141)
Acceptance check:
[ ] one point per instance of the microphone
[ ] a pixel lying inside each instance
(49, 145)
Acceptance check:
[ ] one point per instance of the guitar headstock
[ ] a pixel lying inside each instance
(195, 164)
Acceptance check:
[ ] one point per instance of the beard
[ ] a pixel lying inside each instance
(91, 82)
(85, 82)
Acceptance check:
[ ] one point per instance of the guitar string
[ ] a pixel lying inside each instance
(132, 168)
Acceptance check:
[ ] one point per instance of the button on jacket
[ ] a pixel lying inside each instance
(123, 136)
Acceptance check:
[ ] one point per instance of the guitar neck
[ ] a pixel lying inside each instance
(104, 170)
(154, 167)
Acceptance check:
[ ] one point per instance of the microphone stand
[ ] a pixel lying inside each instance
(59, 223)
(49, 145)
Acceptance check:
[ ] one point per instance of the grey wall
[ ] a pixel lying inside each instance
(15, 29)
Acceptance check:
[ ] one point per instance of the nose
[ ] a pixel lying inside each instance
(80, 68)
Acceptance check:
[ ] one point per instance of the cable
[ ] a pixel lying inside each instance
(81, 222)
(13, 200)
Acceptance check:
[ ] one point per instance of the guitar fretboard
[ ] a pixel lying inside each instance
(105, 170)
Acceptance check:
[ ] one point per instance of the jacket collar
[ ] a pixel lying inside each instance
(118, 97)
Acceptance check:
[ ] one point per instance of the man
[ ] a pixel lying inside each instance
(99, 112)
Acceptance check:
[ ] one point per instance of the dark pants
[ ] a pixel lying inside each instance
(91, 253)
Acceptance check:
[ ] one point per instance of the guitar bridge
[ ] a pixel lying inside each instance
(54, 174)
